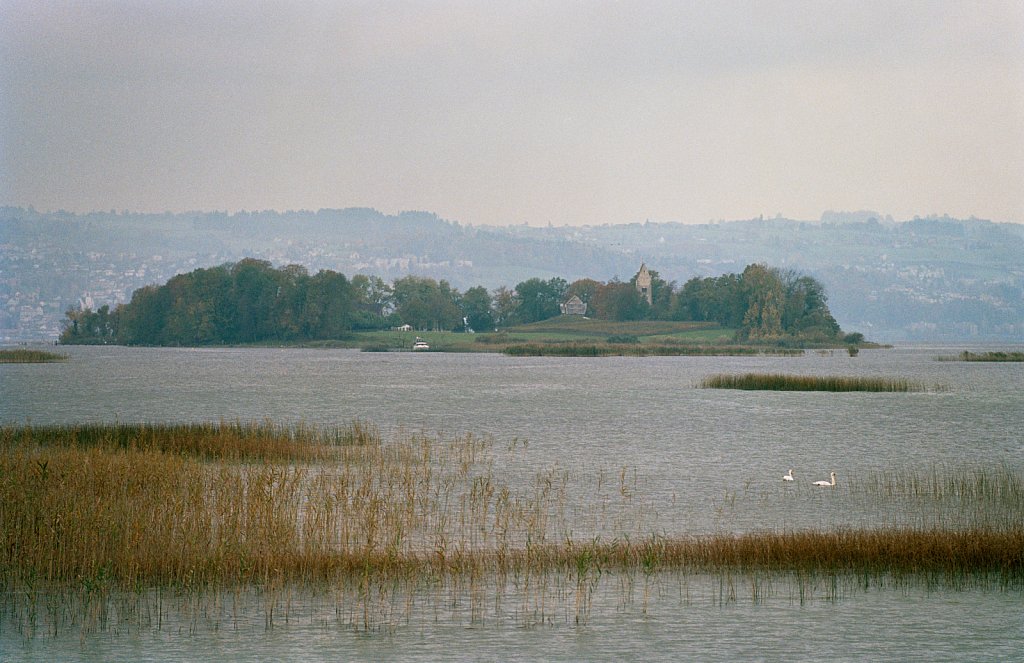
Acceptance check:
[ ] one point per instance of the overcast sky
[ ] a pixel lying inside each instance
(494, 112)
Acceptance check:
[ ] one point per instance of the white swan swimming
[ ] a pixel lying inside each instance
(827, 483)
(788, 477)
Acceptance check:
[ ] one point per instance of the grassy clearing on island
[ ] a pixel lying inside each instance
(571, 326)
(779, 382)
(23, 356)
(398, 341)
(580, 349)
(557, 332)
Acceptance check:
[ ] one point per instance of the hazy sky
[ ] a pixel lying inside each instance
(493, 112)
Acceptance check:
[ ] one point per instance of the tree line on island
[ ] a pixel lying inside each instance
(253, 302)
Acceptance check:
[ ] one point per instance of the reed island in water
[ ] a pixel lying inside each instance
(29, 356)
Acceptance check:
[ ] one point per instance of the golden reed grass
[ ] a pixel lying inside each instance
(995, 356)
(221, 441)
(134, 506)
(23, 356)
(780, 382)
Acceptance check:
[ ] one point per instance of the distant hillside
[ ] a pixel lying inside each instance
(923, 279)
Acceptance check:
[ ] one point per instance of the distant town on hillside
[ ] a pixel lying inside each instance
(924, 279)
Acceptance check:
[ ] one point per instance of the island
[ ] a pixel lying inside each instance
(761, 309)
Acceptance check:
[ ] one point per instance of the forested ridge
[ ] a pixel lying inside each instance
(251, 301)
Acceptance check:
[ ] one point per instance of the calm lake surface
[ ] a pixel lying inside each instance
(698, 460)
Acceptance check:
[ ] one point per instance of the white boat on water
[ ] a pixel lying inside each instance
(420, 344)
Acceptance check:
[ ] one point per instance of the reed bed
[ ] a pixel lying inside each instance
(879, 552)
(995, 356)
(980, 484)
(92, 512)
(780, 382)
(93, 503)
(23, 356)
(132, 505)
(941, 497)
(222, 440)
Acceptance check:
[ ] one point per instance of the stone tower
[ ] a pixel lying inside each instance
(643, 283)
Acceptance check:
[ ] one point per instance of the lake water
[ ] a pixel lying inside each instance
(700, 461)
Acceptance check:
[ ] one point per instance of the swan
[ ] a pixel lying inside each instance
(827, 483)
(788, 477)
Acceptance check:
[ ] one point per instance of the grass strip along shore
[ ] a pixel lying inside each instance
(641, 350)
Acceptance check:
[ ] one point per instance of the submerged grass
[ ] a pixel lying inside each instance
(779, 382)
(23, 356)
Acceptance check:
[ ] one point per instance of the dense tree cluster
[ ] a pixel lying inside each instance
(250, 302)
(762, 303)
(245, 302)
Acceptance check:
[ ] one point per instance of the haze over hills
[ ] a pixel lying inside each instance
(930, 279)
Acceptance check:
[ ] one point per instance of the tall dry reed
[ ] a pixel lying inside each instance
(991, 356)
(25, 356)
(222, 441)
(103, 510)
(780, 382)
